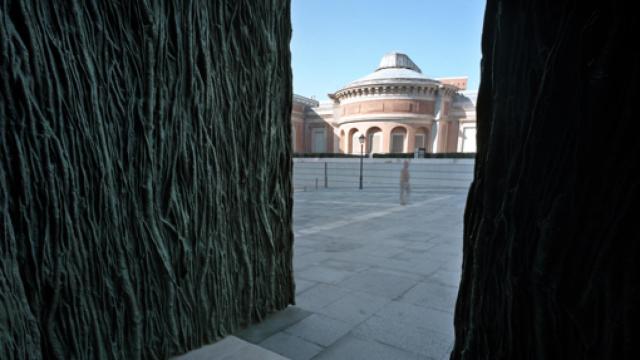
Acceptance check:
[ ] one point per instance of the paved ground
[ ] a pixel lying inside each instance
(230, 348)
(375, 280)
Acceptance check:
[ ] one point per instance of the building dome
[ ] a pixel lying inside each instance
(396, 109)
(396, 60)
(393, 67)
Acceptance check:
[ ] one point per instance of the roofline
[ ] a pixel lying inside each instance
(388, 81)
(305, 100)
(452, 77)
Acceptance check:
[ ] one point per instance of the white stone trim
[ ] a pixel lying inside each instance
(409, 88)
(392, 117)
(362, 99)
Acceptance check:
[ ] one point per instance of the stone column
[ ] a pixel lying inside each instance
(440, 142)
(453, 131)
(429, 139)
(386, 139)
(328, 138)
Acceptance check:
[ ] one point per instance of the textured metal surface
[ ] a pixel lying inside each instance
(397, 60)
(145, 196)
(550, 268)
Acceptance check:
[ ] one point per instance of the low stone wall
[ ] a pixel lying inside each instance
(425, 174)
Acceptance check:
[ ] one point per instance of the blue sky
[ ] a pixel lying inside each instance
(337, 41)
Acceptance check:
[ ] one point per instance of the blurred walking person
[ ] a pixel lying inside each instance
(404, 184)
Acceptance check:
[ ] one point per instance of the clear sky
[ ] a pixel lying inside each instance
(337, 41)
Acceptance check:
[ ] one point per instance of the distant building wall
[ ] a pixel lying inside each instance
(459, 82)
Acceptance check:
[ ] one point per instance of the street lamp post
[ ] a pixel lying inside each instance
(361, 138)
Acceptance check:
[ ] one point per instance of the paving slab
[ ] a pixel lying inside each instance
(273, 324)
(350, 265)
(354, 307)
(451, 278)
(319, 329)
(290, 346)
(324, 274)
(418, 317)
(320, 296)
(432, 294)
(231, 348)
(379, 283)
(397, 333)
(353, 348)
(304, 285)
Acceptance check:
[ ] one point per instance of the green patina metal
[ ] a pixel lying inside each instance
(145, 165)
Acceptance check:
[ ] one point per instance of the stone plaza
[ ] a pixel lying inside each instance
(382, 285)
(374, 279)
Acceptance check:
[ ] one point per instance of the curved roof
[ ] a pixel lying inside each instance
(396, 60)
(393, 66)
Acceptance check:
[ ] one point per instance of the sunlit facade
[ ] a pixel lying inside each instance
(396, 108)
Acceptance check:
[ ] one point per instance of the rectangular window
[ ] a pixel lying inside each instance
(420, 141)
(397, 143)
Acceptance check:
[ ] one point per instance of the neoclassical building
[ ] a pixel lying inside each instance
(397, 108)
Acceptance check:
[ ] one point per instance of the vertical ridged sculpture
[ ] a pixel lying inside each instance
(145, 195)
(551, 238)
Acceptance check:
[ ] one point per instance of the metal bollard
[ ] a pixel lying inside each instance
(326, 180)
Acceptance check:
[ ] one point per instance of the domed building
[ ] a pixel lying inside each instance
(397, 108)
